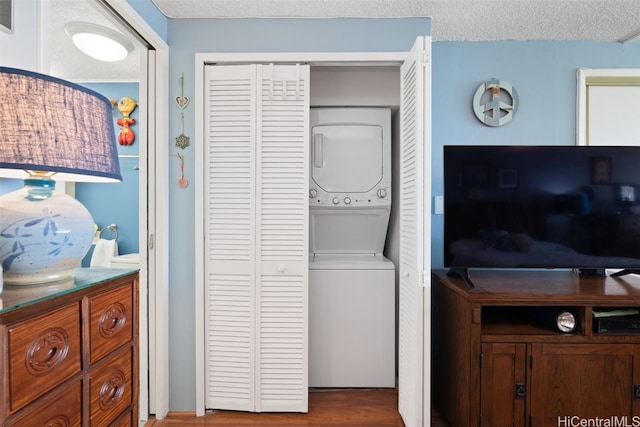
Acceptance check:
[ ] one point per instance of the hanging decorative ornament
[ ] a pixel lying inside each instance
(126, 106)
(182, 182)
(182, 100)
(182, 140)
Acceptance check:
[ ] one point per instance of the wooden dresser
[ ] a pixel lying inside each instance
(69, 352)
(497, 362)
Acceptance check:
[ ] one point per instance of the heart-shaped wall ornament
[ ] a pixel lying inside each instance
(182, 101)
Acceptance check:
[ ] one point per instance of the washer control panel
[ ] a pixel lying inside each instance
(380, 197)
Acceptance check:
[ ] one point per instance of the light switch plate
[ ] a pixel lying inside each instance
(438, 205)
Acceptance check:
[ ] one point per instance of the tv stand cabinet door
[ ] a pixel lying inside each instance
(586, 381)
(503, 390)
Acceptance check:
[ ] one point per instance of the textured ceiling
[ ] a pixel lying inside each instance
(68, 62)
(453, 20)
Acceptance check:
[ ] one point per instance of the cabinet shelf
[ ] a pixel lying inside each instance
(616, 320)
(528, 320)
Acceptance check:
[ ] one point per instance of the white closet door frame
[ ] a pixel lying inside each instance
(315, 59)
(154, 224)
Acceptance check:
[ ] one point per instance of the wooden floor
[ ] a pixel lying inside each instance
(361, 408)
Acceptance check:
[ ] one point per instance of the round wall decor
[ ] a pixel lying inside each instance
(495, 102)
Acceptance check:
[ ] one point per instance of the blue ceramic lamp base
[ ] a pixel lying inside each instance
(44, 234)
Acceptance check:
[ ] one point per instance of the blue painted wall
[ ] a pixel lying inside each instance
(9, 184)
(152, 16)
(187, 37)
(544, 74)
(116, 203)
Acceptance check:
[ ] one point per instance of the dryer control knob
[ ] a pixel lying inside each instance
(347, 200)
(313, 193)
(335, 200)
(382, 193)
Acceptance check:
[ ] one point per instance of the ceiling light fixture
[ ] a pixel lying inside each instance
(99, 42)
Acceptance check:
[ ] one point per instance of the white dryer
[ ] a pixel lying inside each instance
(350, 157)
(351, 283)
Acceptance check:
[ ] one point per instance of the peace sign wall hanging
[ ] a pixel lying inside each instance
(495, 102)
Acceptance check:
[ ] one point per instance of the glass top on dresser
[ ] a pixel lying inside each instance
(13, 297)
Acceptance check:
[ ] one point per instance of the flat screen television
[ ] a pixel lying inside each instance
(575, 207)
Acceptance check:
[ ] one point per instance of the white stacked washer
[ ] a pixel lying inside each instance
(351, 283)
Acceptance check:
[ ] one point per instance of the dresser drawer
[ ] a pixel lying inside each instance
(125, 420)
(110, 321)
(61, 408)
(111, 388)
(44, 351)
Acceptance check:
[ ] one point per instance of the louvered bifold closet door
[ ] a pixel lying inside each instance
(415, 256)
(230, 215)
(283, 170)
(257, 237)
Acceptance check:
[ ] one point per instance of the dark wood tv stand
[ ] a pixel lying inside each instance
(494, 363)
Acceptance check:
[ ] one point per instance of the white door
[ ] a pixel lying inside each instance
(608, 104)
(282, 247)
(414, 329)
(415, 255)
(256, 247)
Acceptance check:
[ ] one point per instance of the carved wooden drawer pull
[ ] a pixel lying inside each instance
(58, 421)
(112, 390)
(112, 320)
(47, 351)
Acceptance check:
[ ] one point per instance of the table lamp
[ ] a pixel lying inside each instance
(49, 127)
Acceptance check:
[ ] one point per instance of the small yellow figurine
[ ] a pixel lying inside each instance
(126, 106)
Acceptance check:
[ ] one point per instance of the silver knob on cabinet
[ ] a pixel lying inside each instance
(347, 200)
(313, 193)
(382, 193)
(335, 200)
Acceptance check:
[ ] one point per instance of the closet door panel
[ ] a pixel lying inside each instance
(256, 237)
(415, 190)
(282, 244)
(230, 237)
